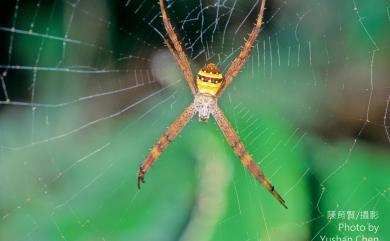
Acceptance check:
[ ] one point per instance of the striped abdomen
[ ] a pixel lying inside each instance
(209, 80)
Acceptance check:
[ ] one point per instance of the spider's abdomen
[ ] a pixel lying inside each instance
(209, 80)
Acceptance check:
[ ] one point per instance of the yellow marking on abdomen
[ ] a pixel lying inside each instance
(207, 87)
(209, 80)
(210, 75)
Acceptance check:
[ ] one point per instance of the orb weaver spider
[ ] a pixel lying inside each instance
(207, 88)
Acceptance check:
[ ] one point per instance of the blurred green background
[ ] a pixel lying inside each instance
(88, 87)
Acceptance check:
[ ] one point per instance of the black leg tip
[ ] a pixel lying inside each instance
(141, 177)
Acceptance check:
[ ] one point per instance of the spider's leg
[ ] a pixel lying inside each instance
(178, 52)
(187, 74)
(246, 159)
(241, 59)
(169, 135)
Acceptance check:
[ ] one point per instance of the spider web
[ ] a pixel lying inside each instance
(88, 86)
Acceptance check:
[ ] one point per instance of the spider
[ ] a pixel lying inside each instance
(207, 88)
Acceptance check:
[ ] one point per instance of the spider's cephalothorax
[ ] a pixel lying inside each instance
(205, 105)
(209, 80)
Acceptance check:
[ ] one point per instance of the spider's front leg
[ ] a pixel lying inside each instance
(177, 50)
(171, 133)
(239, 62)
(242, 153)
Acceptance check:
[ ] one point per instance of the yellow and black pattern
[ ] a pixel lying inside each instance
(209, 80)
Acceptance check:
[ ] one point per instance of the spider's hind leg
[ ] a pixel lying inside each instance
(165, 139)
(141, 177)
(246, 159)
(255, 170)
